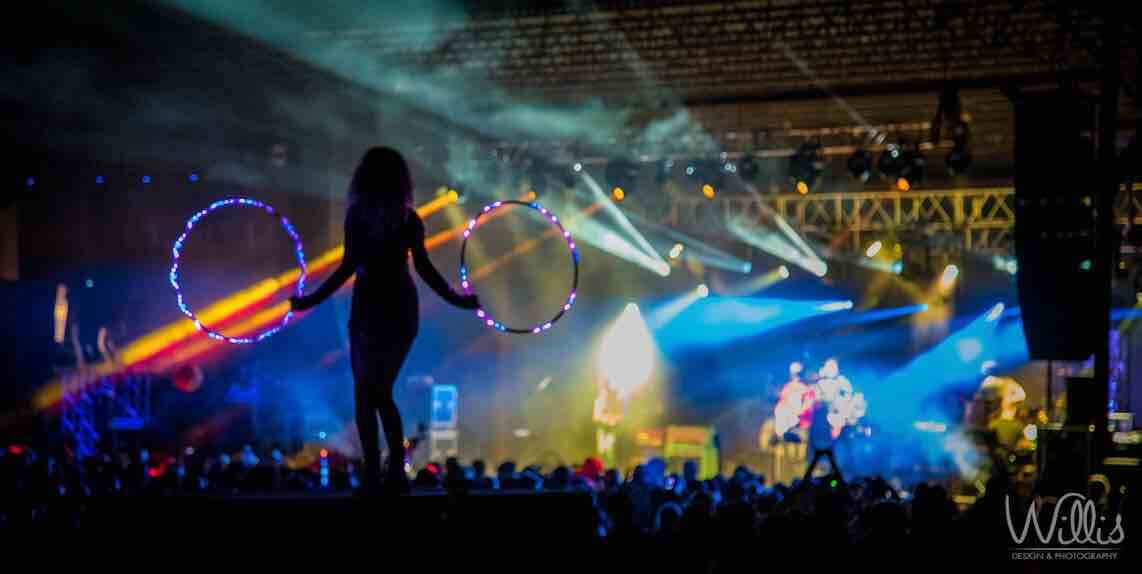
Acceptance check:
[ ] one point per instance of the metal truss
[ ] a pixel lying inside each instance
(979, 220)
(93, 410)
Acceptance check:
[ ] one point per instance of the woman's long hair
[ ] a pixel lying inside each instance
(380, 195)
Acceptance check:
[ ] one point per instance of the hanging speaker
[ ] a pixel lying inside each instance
(1055, 183)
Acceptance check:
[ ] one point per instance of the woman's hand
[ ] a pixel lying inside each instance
(299, 303)
(468, 302)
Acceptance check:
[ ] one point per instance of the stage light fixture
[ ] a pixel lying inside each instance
(577, 167)
(622, 176)
(676, 251)
(873, 249)
(891, 161)
(860, 165)
(904, 164)
(192, 178)
(708, 191)
(703, 291)
(805, 167)
(783, 271)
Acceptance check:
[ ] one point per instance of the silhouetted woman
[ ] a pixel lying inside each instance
(381, 228)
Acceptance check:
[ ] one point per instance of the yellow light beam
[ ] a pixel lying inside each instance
(154, 342)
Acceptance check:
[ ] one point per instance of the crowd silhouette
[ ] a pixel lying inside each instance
(723, 520)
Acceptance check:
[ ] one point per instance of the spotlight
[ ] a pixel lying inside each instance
(748, 168)
(805, 166)
(703, 291)
(578, 167)
(860, 165)
(835, 306)
(948, 277)
(783, 271)
(891, 161)
(192, 178)
(146, 180)
(461, 195)
(996, 312)
(898, 267)
(626, 355)
(690, 169)
(708, 191)
(873, 249)
(623, 176)
(903, 164)
(30, 182)
(99, 180)
(676, 251)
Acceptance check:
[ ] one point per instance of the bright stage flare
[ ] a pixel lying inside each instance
(627, 353)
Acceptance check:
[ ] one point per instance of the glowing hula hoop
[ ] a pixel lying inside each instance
(466, 282)
(177, 253)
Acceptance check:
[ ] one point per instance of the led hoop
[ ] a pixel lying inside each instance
(177, 251)
(466, 283)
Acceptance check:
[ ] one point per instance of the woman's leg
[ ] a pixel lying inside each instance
(364, 391)
(377, 362)
(390, 414)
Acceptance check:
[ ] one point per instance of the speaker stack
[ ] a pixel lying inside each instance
(1055, 186)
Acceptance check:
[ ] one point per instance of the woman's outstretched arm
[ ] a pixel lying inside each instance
(334, 282)
(431, 275)
(329, 287)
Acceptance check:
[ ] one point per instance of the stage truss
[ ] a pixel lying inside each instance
(91, 411)
(978, 220)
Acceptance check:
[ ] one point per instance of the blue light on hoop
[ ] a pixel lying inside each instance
(466, 282)
(177, 254)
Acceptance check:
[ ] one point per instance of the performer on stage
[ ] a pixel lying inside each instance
(845, 407)
(381, 228)
(794, 405)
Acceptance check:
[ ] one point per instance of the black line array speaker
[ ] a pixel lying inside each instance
(1055, 184)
